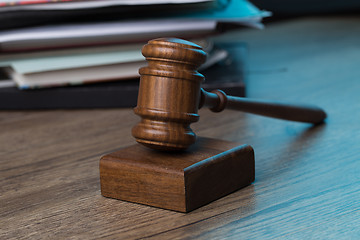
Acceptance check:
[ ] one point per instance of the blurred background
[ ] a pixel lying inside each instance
(86, 53)
(291, 8)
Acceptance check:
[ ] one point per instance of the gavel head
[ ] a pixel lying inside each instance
(169, 94)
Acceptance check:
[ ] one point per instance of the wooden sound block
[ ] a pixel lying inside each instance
(180, 181)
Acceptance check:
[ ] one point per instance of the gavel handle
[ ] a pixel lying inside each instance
(217, 101)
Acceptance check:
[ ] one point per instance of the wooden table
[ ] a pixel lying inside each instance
(307, 178)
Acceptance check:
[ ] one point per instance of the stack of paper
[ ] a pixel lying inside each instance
(80, 41)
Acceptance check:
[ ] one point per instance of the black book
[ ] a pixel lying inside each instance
(227, 75)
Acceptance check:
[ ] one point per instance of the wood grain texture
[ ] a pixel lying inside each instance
(179, 181)
(307, 183)
(169, 94)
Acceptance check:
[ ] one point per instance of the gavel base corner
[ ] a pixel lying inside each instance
(179, 181)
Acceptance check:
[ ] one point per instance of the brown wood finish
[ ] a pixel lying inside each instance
(169, 97)
(307, 178)
(217, 100)
(168, 101)
(169, 94)
(181, 181)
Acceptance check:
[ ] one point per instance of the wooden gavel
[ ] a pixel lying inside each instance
(170, 96)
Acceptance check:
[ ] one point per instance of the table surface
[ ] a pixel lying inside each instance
(307, 178)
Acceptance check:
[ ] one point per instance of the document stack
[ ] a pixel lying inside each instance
(54, 49)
